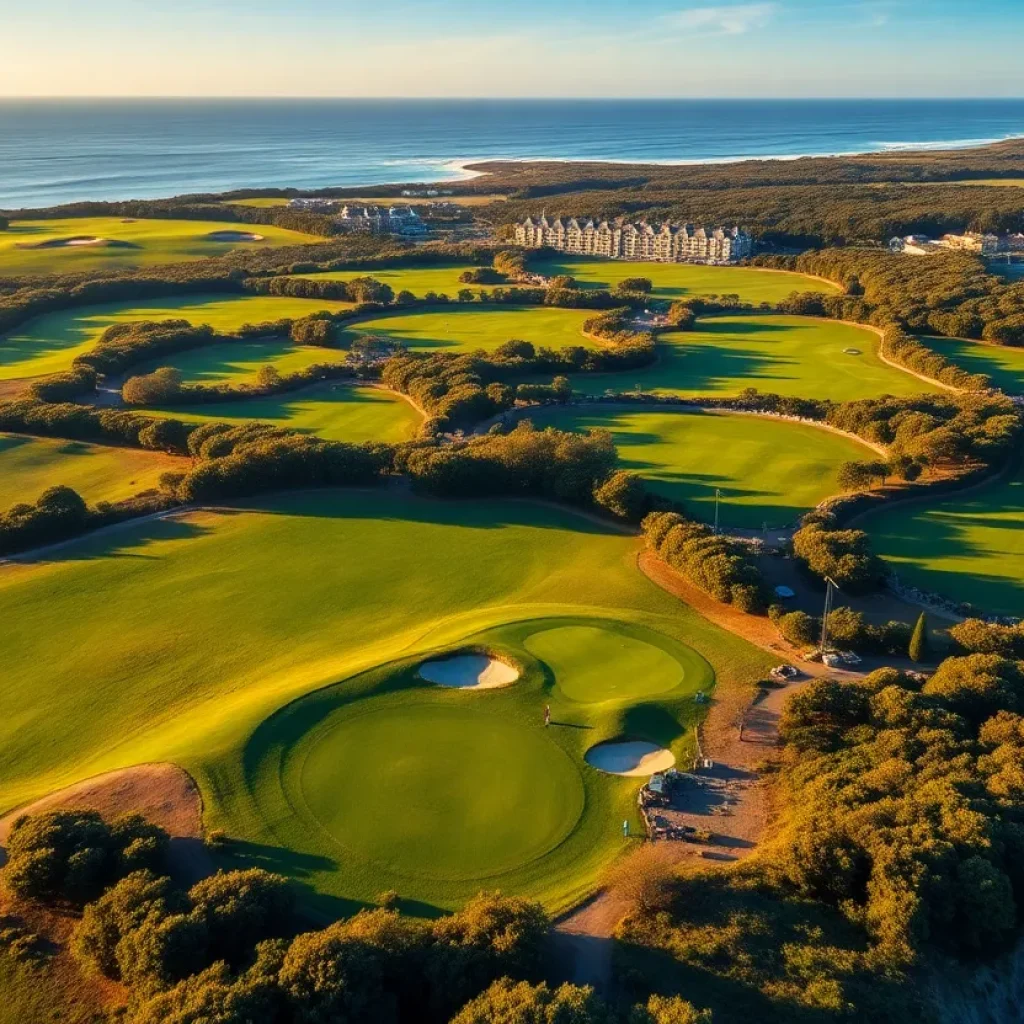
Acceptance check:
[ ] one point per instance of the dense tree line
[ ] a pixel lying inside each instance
(718, 565)
(848, 630)
(975, 636)
(844, 556)
(949, 294)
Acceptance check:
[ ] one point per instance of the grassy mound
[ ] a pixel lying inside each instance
(29, 465)
(213, 622)
(467, 328)
(767, 470)
(49, 344)
(967, 549)
(787, 355)
(683, 280)
(32, 246)
(337, 412)
(592, 664)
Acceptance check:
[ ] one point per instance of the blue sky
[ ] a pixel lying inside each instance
(522, 48)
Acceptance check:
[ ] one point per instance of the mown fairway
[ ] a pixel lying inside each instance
(418, 280)
(458, 328)
(336, 412)
(29, 465)
(785, 355)
(239, 362)
(683, 280)
(1003, 363)
(767, 470)
(49, 344)
(967, 549)
(212, 622)
(33, 246)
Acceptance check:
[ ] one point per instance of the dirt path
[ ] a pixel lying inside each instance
(731, 802)
(163, 793)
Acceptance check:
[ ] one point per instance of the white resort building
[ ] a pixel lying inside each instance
(626, 241)
(398, 220)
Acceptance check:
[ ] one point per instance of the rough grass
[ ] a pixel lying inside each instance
(684, 280)
(211, 622)
(137, 243)
(1003, 363)
(337, 412)
(969, 548)
(787, 355)
(767, 470)
(465, 328)
(29, 465)
(49, 344)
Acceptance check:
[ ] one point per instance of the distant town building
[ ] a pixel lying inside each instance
(397, 220)
(969, 241)
(972, 241)
(623, 240)
(914, 245)
(315, 204)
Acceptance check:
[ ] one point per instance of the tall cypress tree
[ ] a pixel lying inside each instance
(919, 640)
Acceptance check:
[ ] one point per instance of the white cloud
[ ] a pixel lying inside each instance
(733, 20)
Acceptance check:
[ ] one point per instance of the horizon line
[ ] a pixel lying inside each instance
(521, 99)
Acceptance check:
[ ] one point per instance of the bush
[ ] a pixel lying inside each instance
(843, 555)
(161, 387)
(625, 495)
(643, 878)
(918, 648)
(74, 856)
(510, 1002)
(669, 1010)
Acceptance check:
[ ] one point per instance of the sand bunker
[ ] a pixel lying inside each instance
(469, 672)
(629, 757)
(234, 236)
(60, 243)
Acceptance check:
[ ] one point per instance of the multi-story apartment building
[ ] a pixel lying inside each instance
(627, 241)
(399, 220)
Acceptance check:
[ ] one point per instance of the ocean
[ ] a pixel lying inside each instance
(60, 151)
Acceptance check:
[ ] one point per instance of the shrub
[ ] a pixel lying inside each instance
(75, 855)
(625, 495)
(918, 649)
(643, 878)
(161, 387)
(669, 1010)
(510, 1002)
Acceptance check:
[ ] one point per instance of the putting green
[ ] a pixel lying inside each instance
(32, 246)
(29, 465)
(785, 355)
(439, 790)
(968, 549)
(1003, 363)
(466, 328)
(684, 280)
(49, 344)
(765, 470)
(593, 664)
(335, 412)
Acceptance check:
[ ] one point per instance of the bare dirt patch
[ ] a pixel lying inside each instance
(163, 793)
(469, 672)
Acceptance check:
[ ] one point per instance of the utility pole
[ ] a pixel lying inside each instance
(718, 494)
(830, 586)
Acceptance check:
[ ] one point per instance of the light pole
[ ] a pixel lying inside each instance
(718, 495)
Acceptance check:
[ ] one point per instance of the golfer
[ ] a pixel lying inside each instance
(547, 715)
(625, 828)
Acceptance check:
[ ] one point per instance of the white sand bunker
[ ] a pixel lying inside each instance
(60, 243)
(469, 672)
(629, 757)
(234, 236)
